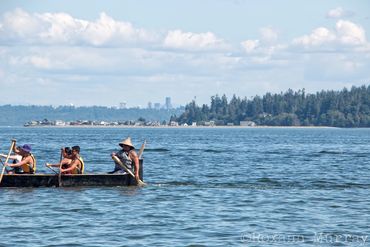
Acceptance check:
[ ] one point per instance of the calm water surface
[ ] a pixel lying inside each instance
(206, 187)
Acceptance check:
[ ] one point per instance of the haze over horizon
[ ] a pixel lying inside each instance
(106, 52)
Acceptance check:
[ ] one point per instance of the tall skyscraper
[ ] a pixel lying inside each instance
(150, 106)
(168, 104)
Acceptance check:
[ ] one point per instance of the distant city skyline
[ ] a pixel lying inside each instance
(106, 52)
(167, 104)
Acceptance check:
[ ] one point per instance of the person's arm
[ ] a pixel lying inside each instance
(118, 154)
(135, 159)
(15, 149)
(27, 160)
(71, 167)
(52, 165)
(12, 157)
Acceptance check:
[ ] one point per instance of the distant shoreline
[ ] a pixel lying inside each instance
(184, 127)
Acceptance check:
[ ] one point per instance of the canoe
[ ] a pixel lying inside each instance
(69, 180)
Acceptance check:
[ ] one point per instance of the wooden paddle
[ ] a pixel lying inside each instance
(141, 149)
(2, 162)
(117, 160)
(60, 168)
(52, 169)
(7, 158)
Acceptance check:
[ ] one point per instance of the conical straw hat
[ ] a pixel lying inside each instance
(127, 142)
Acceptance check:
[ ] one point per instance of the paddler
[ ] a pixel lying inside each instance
(16, 159)
(76, 166)
(27, 164)
(128, 157)
(66, 153)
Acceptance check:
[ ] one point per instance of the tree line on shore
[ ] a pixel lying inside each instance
(345, 108)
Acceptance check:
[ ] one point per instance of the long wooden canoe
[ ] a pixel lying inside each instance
(51, 180)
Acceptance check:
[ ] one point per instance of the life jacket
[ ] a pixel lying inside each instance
(29, 168)
(80, 168)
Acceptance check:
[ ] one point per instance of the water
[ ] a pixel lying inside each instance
(206, 187)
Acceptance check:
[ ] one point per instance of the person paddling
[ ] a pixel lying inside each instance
(27, 164)
(128, 157)
(76, 165)
(66, 153)
(16, 159)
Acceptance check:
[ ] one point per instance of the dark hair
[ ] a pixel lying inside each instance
(77, 148)
(68, 150)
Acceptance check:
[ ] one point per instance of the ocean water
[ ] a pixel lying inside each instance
(206, 187)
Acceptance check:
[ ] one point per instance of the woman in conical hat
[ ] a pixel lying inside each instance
(128, 157)
(127, 142)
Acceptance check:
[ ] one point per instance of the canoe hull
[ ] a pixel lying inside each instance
(51, 180)
(77, 180)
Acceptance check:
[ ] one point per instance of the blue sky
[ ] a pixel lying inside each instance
(106, 52)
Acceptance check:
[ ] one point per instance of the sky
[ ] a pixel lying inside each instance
(90, 52)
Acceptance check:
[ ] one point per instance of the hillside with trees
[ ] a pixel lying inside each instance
(345, 108)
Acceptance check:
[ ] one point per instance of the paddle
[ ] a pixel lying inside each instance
(139, 182)
(2, 162)
(60, 169)
(7, 158)
(51, 169)
(141, 149)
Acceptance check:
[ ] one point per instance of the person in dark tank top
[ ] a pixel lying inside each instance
(128, 157)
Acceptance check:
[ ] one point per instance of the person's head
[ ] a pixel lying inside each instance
(26, 149)
(68, 150)
(75, 149)
(126, 144)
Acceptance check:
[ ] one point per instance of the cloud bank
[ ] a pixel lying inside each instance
(110, 56)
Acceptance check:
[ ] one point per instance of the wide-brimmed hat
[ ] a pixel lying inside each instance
(27, 148)
(127, 142)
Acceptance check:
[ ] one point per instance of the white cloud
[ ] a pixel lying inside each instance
(350, 33)
(269, 35)
(63, 29)
(338, 12)
(102, 55)
(345, 33)
(107, 30)
(60, 28)
(40, 62)
(178, 39)
(250, 45)
(318, 36)
(266, 45)
(20, 26)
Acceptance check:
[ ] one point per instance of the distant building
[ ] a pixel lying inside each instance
(157, 106)
(174, 123)
(150, 105)
(210, 123)
(248, 123)
(60, 123)
(168, 104)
